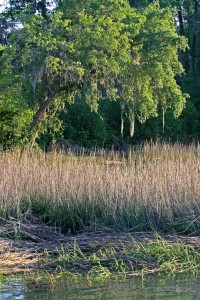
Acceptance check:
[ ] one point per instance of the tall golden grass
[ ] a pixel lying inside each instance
(156, 186)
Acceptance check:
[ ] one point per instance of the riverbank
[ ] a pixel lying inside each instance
(101, 216)
(95, 253)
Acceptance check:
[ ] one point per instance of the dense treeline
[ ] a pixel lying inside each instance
(97, 71)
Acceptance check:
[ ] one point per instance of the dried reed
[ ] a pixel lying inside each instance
(157, 186)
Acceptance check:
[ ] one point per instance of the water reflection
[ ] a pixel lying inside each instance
(12, 291)
(153, 288)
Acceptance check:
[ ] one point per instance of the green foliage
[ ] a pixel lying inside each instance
(15, 115)
(93, 51)
(184, 129)
(86, 128)
(151, 81)
(14, 128)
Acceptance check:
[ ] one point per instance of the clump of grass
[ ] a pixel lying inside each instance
(155, 186)
(134, 259)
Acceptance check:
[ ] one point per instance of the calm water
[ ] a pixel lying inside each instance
(154, 287)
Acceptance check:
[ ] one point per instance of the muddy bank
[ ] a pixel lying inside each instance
(26, 247)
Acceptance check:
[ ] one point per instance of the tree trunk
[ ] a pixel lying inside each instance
(184, 59)
(193, 54)
(36, 122)
(194, 39)
(196, 6)
(122, 118)
(180, 19)
(132, 125)
(194, 42)
(163, 120)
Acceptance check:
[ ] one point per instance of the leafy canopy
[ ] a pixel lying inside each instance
(98, 49)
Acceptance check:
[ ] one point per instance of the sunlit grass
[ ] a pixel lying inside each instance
(134, 259)
(153, 187)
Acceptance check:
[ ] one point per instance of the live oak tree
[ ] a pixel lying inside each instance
(148, 81)
(187, 19)
(93, 50)
(63, 58)
(187, 22)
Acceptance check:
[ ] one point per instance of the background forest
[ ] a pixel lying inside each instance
(98, 71)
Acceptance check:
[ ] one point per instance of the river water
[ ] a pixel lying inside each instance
(151, 288)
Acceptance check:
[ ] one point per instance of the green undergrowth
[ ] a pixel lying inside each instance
(73, 215)
(117, 261)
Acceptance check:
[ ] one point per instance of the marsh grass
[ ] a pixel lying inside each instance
(135, 259)
(155, 186)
